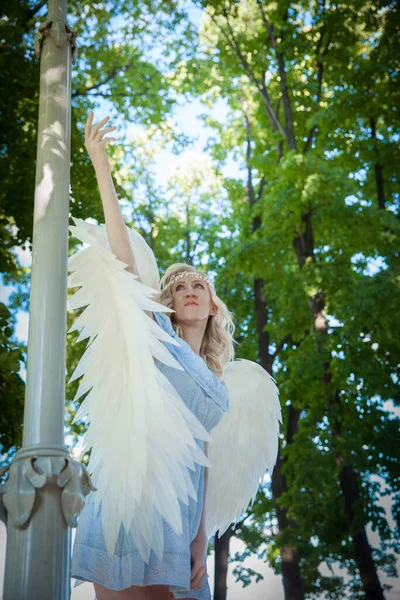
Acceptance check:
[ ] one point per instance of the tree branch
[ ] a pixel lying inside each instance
(261, 188)
(289, 127)
(268, 26)
(321, 65)
(260, 84)
(250, 187)
(109, 77)
(35, 9)
(286, 340)
(233, 44)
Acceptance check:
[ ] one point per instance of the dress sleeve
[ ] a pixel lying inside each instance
(207, 411)
(164, 322)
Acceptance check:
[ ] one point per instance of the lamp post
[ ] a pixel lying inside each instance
(45, 488)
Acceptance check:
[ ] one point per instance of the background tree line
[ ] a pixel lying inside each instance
(303, 241)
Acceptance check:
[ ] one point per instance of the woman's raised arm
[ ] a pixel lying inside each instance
(117, 234)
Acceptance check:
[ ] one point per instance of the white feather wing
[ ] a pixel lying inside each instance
(141, 432)
(144, 255)
(243, 445)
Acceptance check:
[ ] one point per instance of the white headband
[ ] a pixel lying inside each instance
(182, 274)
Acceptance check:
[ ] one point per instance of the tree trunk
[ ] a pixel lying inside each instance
(362, 548)
(291, 573)
(221, 546)
(304, 247)
(347, 478)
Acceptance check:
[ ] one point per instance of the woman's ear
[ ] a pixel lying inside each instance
(214, 310)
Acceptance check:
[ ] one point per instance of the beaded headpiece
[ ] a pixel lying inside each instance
(182, 274)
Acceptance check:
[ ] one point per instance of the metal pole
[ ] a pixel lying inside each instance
(44, 492)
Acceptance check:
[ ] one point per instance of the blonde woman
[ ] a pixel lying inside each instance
(204, 327)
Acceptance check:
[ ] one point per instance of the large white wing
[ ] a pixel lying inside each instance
(144, 255)
(141, 432)
(243, 445)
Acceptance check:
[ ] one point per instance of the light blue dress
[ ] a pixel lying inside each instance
(208, 399)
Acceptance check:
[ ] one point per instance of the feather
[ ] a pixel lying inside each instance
(144, 255)
(140, 431)
(243, 445)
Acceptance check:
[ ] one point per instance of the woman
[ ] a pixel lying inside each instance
(204, 327)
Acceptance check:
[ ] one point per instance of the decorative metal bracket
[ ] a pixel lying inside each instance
(34, 471)
(59, 30)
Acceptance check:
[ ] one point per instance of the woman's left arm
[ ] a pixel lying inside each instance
(198, 547)
(202, 526)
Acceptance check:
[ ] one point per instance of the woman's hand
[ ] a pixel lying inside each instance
(198, 555)
(96, 145)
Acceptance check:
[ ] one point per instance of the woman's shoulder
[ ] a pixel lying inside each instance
(194, 365)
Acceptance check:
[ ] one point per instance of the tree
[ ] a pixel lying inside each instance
(286, 69)
(12, 388)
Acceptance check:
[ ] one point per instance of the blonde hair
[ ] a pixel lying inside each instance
(217, 347)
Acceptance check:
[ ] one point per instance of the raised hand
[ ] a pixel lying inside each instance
(95, 143)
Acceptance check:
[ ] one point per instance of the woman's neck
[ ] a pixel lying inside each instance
(193, 334)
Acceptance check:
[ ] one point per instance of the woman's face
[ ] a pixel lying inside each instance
(192, 300)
